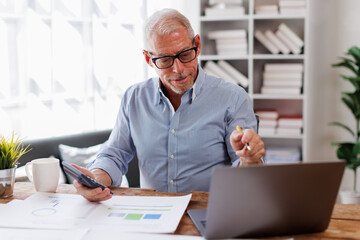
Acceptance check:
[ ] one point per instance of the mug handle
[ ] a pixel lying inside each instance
(28, 172)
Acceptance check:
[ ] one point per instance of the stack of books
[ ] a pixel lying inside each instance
(292, 7)
(225, 8)
(267, 121)
(230, 42)
(227, 72)
(284, 40)
(271, 9)
(282, 78)
(280, 155)
(290, 125)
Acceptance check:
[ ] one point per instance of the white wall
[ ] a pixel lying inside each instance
(333, 28)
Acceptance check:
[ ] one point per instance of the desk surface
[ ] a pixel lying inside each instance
(344, 223)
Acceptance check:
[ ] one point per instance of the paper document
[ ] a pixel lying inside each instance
(42, 234)
(114, 234)
(48, 210)
(141, 214)
(123, 213)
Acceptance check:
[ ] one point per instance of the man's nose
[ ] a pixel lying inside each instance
(177, 66)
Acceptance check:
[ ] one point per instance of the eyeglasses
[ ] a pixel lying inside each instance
(167, 61)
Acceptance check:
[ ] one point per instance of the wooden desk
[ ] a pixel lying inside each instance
(344, 223)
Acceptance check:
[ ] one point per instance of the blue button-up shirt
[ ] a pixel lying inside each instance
(177, 150)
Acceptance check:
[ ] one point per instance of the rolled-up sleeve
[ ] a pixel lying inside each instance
(119, 149)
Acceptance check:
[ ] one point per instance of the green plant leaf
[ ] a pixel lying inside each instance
(343, 126)
(10, 151)
(345, 151)
(347, 63)
(355, 53)
(355, 81)
(348, 102)
(354, 97)
(349, 152)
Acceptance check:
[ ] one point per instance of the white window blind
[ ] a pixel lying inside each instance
(64, 64)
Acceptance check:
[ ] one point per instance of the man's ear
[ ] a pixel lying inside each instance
(198, 43)
(147, 58)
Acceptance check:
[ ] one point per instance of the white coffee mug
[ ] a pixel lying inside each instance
(44, 174)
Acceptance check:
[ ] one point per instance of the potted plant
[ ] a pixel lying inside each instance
(350, 151)
(10, 152)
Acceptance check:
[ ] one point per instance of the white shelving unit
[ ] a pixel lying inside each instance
(252, 64)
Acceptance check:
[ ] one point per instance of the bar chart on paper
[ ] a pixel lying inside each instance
(144, 214)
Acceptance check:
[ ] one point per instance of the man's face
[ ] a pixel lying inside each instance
(180, 76)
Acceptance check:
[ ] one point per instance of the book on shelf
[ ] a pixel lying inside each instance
(266, 43)
(292, 11)
(232, 53)
(271, 9)
(236, 74)
(291, 35)
(290, 121)
(282, 75)
(233, 46)
(283, 67)
(266, 131)
(233, 2)
(280, 90)
(231, 41)
(267, 123)
(267, 114)
(282, 83)
(231, 49)
(215, 69)
(228, 11)
(292, 7)
(293, 48)
(288, 131)
(292, 3)
(221, 34)
(277, 42)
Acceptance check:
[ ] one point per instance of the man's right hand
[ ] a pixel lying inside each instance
(94, 194)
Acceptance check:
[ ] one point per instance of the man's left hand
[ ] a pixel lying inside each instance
(238, 141)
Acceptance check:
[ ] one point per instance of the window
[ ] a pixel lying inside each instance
(66, 63)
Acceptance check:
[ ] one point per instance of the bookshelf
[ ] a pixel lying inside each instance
(252, 63)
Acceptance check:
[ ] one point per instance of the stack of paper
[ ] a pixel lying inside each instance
(230, 42)
(279, 155)
(292, 7)
(72, 211)
(225, 8)
(226, 71)
(284, 40)
(282, 78)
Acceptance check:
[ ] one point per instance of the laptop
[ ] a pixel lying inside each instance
(270, 200)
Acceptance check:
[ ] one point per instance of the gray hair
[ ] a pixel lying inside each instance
(164, 22)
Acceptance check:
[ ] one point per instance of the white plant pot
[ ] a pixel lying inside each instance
(350, 197)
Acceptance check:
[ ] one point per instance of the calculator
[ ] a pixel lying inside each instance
(82, 178)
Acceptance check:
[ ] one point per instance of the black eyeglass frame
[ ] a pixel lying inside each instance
(174, 57)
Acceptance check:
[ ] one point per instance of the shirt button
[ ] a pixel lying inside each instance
(172, 131)
(172, 156)
(171, 181)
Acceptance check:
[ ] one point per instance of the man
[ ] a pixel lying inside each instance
(181, 124)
